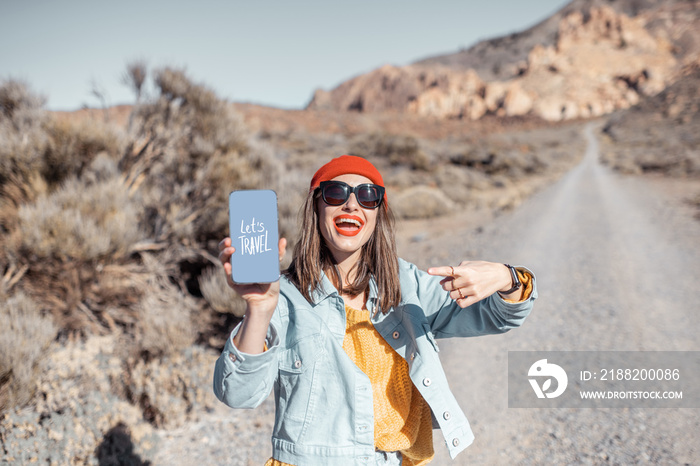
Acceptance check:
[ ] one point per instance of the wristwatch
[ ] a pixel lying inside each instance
(516, 280)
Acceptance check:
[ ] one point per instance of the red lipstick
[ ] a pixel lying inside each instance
(348, 225)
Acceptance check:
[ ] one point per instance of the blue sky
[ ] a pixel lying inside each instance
(268, 52)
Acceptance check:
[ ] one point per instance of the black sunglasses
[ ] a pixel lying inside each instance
(368, 195)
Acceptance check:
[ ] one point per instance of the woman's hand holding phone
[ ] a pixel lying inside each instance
(261, 301)
(259, 296)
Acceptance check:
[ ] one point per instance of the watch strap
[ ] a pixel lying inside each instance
(516, 280)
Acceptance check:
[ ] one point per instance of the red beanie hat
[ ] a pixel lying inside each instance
(346, 165)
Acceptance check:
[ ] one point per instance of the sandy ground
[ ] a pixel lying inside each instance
(617, 260)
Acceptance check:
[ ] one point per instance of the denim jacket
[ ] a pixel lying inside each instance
(324, 410)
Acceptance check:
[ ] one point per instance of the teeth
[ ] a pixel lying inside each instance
(349, 220)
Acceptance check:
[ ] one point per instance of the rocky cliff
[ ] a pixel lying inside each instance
(596, 61)
(661, 133)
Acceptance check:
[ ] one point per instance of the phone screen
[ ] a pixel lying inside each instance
(254, 235)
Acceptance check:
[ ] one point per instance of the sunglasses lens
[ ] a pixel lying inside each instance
(335, 194)
(368, 196)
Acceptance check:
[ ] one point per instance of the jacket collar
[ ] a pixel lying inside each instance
(326, 290)
(323, 291)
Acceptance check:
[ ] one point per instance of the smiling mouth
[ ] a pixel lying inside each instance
(348, 225)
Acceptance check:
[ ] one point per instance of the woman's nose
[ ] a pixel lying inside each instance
(351, 203)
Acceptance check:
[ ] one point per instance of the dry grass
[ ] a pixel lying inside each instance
(164, 322)
(23, 139)
(397, 149)
(421, 202)
(218, 294)
(189, 151)
(24, 335)
(81, 221)
(75, 144)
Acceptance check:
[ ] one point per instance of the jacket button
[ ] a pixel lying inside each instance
(427, 381)
(232, 357)
(297, 364)
(395, 335)
(455, 442)
(446, 415)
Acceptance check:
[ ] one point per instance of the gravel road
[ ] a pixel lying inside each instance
(617, 260)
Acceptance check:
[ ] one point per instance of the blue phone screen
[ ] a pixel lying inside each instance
(254, 235)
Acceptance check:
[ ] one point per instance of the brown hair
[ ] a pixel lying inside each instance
(379, 259)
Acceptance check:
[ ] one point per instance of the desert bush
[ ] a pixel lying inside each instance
(81, 221)
(13, 194)
(461, 184)
(398, 150)
(165, 322)
(165, 313)
(66, 238)
(218, 294)
(500, 160)
(24, 336)
(135, 77)
(190, 150)
(74, 144)
(16, 100)
(224, 172)
(421, 202)
(23, 139)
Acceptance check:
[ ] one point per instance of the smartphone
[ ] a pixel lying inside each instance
(254, 235)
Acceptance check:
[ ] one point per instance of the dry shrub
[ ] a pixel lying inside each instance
(13, 194)
(74, 144)
(218, 294)
(165, 322)
(24, 336)
(15, 99)
(461, 184)
(224, 173)
(191, 149)
(421, 202)
(398, 150)
(23, 139)
(500, 160)
(81, 221)
(165, 313)
(135, 77)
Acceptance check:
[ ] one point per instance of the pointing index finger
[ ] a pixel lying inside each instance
(443, 271)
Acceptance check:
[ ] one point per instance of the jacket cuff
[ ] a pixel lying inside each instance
(238, 361)
(529, 290)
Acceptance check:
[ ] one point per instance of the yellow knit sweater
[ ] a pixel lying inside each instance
(402, 420)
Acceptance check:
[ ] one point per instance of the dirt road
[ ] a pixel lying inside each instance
(617, 261)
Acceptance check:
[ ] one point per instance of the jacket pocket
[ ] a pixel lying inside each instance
(298, 386)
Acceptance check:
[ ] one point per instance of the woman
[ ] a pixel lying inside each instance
(346, 338)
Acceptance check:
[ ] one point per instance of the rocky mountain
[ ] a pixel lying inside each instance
(499, 58)
(591, 58)
(661, 133)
